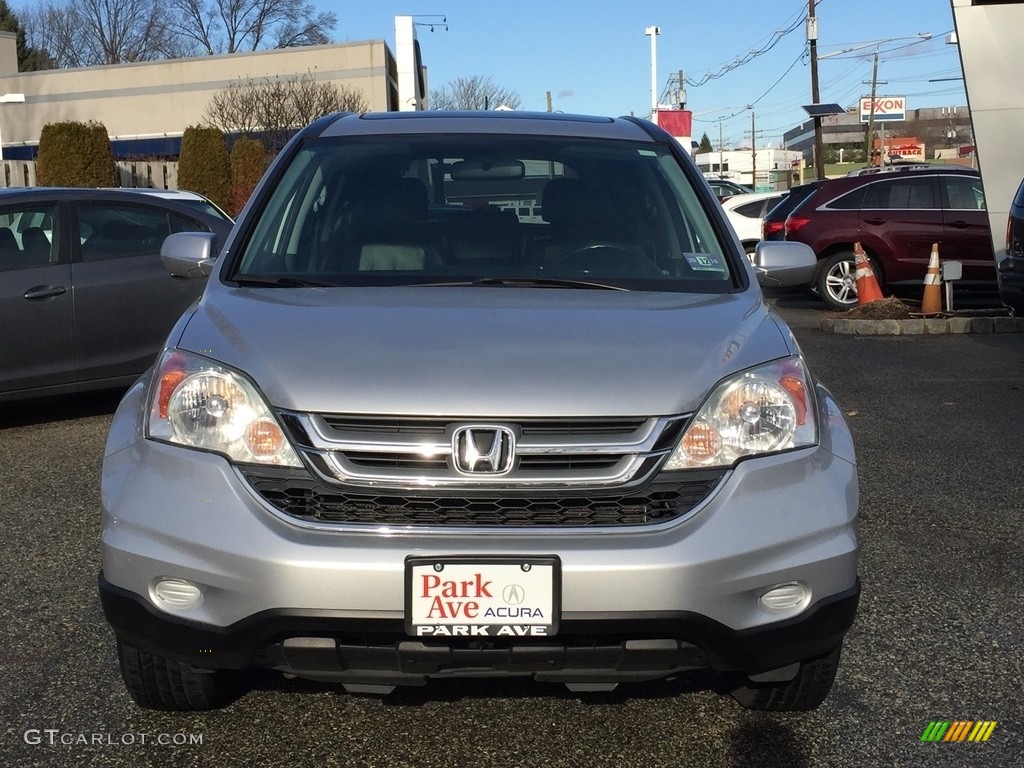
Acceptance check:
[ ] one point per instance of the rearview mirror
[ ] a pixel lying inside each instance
(484, 170)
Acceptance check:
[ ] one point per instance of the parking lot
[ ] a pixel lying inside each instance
(937, 422)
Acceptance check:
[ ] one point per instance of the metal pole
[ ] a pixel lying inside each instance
(653, 32)
(871, 112)
(812, 39)
(753, 152)
(721, 150)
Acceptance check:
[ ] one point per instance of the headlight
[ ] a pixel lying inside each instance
(763, 410)
(199, 403)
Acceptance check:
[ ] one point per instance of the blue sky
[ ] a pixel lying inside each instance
(594, 57)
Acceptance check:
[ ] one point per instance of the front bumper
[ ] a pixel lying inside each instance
(327, 602)
(613, 648)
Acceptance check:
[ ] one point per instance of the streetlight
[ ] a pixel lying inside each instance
(10, 98)
(653, 32)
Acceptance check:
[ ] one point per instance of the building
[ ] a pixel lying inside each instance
(146, 106)
(764, 169)
(938, 131)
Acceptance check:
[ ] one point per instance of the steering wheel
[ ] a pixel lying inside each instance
(614, 260)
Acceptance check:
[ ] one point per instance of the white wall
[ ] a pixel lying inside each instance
(989, 38)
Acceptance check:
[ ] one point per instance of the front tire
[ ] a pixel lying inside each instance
(836, 283)
(804, 692)
(156, 682)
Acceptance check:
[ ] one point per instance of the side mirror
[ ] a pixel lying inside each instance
(189, 254)
(782, 264)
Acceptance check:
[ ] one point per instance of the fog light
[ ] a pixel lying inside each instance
(176, 593)
(791, 596)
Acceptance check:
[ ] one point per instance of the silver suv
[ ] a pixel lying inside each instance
(474, 395)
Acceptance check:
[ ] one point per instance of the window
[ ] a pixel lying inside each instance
(964, 193)
(751, 210)
(452, 209)
(112, 231)
(909, 193)
(851, 201)
(27, 236)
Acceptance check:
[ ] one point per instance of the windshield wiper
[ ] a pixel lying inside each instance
(537, 282)
(286, 281)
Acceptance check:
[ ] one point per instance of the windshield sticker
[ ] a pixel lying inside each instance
(703, 262)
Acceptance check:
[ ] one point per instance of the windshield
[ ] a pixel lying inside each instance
(494, 210)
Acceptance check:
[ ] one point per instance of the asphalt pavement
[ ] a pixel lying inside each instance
(937, 422)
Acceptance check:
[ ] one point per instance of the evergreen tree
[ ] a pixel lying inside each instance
(204, 165)
(74, 154)
(29, 59)
(705, 144)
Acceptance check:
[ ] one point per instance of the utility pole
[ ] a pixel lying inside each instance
(549, 101)
(871, 114)
(812, 40)
(754, 152)
(721, 150)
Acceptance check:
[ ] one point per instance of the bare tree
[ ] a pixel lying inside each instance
(474, 93)
(81, 33)
(228, 26)
(272, 108)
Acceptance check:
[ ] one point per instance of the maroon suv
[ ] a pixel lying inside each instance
(896, 216)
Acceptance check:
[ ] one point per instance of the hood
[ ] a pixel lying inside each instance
(484, 351)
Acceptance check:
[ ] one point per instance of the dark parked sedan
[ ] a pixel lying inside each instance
(725, 188)
(773, 225)
(85, 302)
(1010, 273)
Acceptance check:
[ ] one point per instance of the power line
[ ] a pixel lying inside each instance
(740, 61)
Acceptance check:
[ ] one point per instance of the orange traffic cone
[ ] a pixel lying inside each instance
(931, 302)
(867, 284)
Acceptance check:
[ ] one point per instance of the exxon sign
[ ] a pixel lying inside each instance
(887, 109)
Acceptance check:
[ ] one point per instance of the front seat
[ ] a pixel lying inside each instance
(577, 217)
(10, 253)
(389, 230)
(36, 245)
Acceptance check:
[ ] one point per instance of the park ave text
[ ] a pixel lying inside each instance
(455, 601)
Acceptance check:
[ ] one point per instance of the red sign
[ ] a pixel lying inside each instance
(676, 122)
(902, 146)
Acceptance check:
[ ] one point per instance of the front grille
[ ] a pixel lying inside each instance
(371, 460)
(362, 452)
(344, 423)
(300, 495)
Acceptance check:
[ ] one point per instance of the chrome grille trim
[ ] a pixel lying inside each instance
(416, 452)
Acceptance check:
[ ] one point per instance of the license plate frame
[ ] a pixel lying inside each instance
(511, 596)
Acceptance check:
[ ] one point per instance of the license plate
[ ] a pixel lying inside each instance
(482, 596)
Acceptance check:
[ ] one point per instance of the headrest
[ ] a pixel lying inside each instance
(399, 200)
(571, 201)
